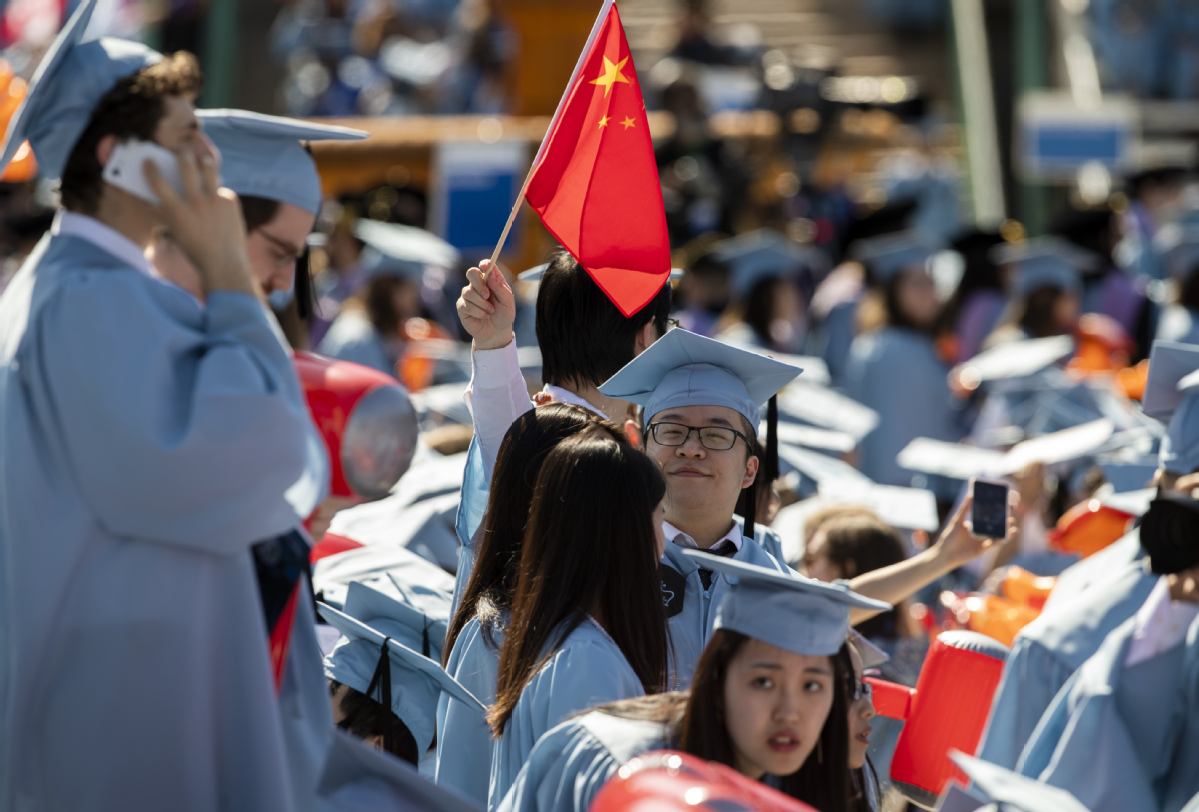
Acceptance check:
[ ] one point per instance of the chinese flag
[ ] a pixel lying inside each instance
(595, 183)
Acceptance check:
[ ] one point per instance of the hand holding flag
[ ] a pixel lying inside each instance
(594, 181)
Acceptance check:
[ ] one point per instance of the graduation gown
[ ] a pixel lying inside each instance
(587, 670)
(352, 337)
(897, 373)
(1049, 650)
(464, 742)
(1124, 737)
(573, 762)
(691, 609)
(147, 444)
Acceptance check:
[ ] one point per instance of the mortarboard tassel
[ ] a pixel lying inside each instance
(424, 637)
(382, 679)
(304, 295)
(770, 465)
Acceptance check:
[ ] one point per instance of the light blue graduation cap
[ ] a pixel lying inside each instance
(401, 251)
(1046, 262)
(763, 254)
(261, 156)
(997, 785)
(69, 82)
(797, 614)
(372, 624)
(888, 254)
(535, 273)
(1172, 396)
(686, 369)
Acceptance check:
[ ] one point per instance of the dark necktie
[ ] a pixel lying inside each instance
(724, 549)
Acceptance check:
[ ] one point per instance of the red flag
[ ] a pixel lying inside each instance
(595, 183)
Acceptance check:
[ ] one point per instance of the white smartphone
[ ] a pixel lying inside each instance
(126, 168)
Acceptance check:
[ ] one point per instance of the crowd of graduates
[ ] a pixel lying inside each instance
(565, 537)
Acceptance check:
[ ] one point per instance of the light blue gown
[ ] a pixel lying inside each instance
(1124, 737)
(1050, 649)
(352, 337)
(587, 670)
(897, 373)
(691, 628)
(147, 443)
(573, 762)
(464, 742)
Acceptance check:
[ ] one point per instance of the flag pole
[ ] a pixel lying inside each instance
(595, 29)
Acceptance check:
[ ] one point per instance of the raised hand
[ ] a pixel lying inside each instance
(487, 307)
(958, 545)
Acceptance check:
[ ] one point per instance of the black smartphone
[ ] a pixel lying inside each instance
(989, 513)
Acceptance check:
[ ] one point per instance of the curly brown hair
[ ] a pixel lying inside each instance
(132, 109)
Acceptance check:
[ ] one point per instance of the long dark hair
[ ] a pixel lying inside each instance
(364, 717)
(823, 781)
(590, 546)
(859, 543)
(492, 583)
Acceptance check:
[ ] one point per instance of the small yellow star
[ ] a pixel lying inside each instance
(604, 121)
(611, 75)
(628, 122)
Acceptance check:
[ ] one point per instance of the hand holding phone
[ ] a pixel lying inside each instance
(989, 510)
(125, 168)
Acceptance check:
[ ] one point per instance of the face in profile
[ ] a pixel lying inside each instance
(861, 711)
(775, 706)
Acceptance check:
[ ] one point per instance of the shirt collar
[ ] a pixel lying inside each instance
(680, 538)
(73, 224)
(561, 395)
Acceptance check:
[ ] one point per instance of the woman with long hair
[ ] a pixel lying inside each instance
(587, 622)
(769, 698)
(477, 630)
(1046, 277)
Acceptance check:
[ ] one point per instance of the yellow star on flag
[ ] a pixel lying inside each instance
(628, 122)
(604, 121)
(611, 75)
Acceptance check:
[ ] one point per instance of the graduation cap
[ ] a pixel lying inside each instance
(361, 778)
(261, 156)
(796, 614)
(686, 369)
(1014, 359)
(69, 82)
(764, 254)
(902, 508)
(379, 656)
(888, 255)
(872, 656)
(993, 784)
(534, 274)
(1172, 395)
(1046, 262)
(424, 590)
(403, 251)
(1128, 475)
(809, 402)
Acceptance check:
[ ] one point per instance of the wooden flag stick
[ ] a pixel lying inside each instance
(520, 198)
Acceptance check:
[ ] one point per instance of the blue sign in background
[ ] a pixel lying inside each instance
(476, 207)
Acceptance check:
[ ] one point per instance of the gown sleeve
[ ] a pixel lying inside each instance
(177, 433)
(564, 773)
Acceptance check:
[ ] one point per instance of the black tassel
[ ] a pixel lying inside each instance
(424, 638)
(382, 679)
(770, 465)
(304, 296)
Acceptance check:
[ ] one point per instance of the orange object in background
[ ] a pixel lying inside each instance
(424, 339)
(1022, 586)
(999, 618)
(1102, 345)
(1088, 527)
(12, 92)
(1131, 380)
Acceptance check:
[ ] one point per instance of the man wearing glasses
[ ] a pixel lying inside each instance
(701, 403)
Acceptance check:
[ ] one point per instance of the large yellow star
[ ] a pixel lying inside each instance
(628, 122)
(611, 75)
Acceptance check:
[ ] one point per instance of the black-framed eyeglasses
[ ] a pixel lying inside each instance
(673, 324)
(713, 438)
(861, 688)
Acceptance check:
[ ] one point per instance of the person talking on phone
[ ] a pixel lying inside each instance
(147, 444)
